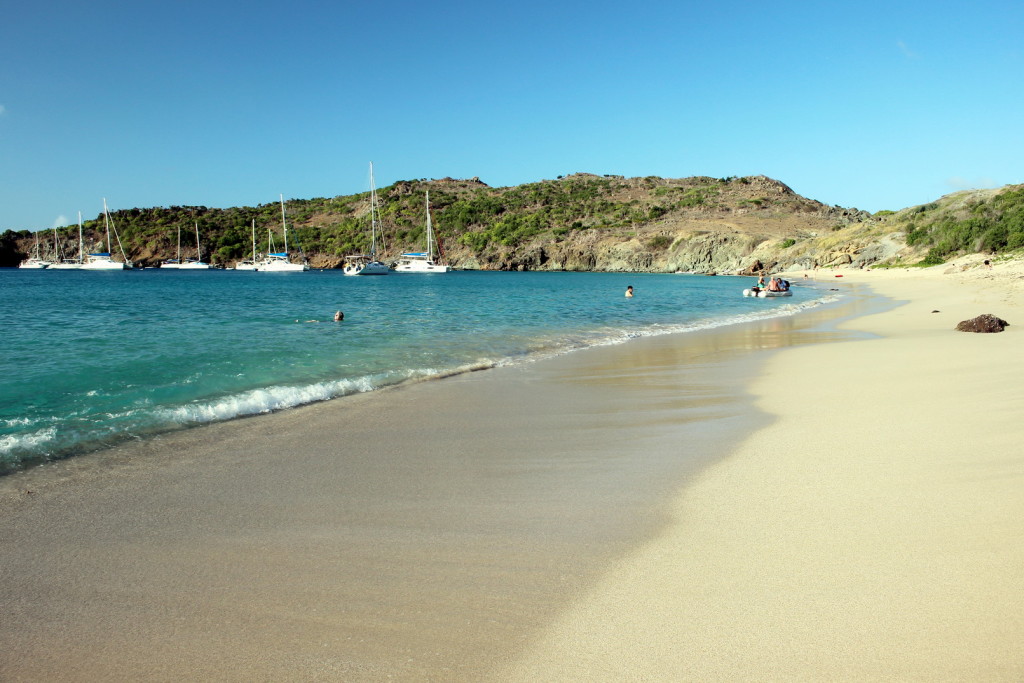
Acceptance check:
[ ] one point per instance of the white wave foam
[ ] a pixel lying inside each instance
(33, 442)
(269, 399)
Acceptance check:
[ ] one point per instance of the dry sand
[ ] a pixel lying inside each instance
(623, 513)
(873, 531)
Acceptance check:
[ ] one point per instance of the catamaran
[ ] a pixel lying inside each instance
(362, 264)
(102, 260)
(423, 262)
(278, 262)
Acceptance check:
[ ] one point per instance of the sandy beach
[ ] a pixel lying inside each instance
(792, 499)
(872, 531)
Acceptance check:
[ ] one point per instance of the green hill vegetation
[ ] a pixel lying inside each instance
(577, 222)
(990, 222)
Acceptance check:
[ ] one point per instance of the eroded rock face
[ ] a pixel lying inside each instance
(985, 322)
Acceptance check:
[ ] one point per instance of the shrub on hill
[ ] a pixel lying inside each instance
(992, 225)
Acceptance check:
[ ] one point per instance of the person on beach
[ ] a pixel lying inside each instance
(629, 292)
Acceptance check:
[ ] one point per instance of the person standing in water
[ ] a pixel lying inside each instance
(629, 292)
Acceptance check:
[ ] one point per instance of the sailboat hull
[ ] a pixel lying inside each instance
(103, 263)
(367, 268)
(413, 265)
(34, 264)
(280, 266)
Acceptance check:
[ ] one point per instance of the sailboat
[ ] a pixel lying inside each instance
(69, 264)
(249, 264)
(34, 261)
(190, 263)
(278, 262)
(423, 262)
(102, 260)
(173, 263)
(197, 263)
(361, 264)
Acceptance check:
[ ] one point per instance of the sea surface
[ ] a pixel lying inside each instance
(90, 359)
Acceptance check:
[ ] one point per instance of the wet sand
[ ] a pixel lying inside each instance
(430, 533)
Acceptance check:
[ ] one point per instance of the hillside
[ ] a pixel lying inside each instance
(578, 222)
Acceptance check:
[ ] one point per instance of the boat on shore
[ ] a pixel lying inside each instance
(424, 262)
(765, 294)
(369, 264)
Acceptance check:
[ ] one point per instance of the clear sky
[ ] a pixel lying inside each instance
(874, 105)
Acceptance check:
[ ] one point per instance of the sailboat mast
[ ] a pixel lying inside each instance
(81, 245)
(285, 225)
(106, 222)
(254, 241)
(199, 252)
(179, 245)
(373, 217)
(430, 232)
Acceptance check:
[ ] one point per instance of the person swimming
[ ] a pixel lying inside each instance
(338, 317)
(629, 292)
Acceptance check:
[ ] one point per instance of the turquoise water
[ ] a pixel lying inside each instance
(90, 359)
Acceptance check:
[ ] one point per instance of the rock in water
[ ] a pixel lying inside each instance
(985, 322)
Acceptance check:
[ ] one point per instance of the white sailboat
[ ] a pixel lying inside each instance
(70, 264)
(34, 262)
(362, 264)
(102, 260)
(423, 262)
(197, 263)
(173, 263)
(279, 262)
(249, 264)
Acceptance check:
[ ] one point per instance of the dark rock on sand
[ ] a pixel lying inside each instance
(985, 322)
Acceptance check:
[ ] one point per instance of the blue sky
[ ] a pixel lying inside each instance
(874, 105)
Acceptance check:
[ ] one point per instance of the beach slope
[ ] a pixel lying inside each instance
(873, 531)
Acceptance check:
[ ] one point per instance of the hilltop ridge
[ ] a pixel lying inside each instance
(582, 221)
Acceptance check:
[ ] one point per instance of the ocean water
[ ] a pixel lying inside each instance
(90, 359)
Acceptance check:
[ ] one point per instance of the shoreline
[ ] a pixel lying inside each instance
(166, 401)
(870, 531)
(428, 532)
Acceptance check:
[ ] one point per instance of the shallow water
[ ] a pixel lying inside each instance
(93, 358)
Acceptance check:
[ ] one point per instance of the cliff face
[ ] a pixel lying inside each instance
(581, 222)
